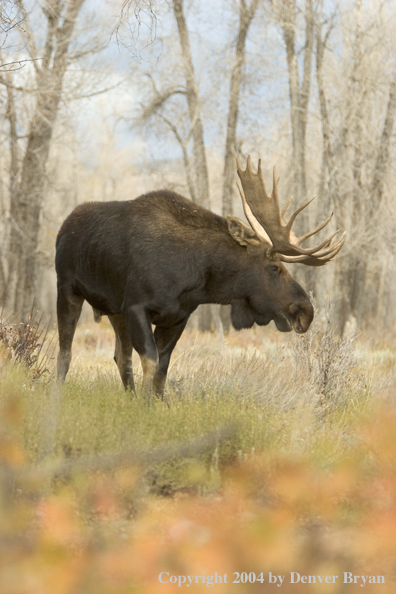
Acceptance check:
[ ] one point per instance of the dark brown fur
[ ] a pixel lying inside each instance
(153, 260)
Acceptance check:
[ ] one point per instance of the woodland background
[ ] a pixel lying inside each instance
(103, 100)
(277, 452)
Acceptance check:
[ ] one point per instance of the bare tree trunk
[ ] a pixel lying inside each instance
(12, 119)
(201, 168)
(14, 247)
(299, 93)
(328, 158)
(13, 176)
(330, 180)
(383, 156)
(358, 296)
(186, 159)
(355, 200)
(246, 14)
(376, 199)
(28, 198)
(3, 244)
(380, 313)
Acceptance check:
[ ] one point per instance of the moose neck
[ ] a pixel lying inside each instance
(227, 272)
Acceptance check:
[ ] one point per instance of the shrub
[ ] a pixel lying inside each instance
(27, 342)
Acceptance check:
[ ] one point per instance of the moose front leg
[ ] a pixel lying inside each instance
(166, 339)
(142, 340)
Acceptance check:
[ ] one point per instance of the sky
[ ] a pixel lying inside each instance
(131, 47)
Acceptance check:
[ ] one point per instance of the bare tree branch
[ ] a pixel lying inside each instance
(28, 35)
(64, 468)
(143, 17)
(159, 101)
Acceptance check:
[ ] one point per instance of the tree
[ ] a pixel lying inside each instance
(28, 172)
(339, 129)
(246, 15)
(299, 87)
(192, 96)
(164, 105)
(356, 157)
(299, 96)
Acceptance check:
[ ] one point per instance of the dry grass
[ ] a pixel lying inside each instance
(305, 483)
(285, 394)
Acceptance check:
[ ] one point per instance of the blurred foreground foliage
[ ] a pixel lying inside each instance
(304, 480)
(278, 511)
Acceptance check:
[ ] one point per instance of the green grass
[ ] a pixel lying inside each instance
(277, 400)
(314, 420)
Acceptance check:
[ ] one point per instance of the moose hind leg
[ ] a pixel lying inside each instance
(123, 351)
(68, 310)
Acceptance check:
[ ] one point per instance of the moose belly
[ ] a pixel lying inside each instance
(169, 316)
(102, 301)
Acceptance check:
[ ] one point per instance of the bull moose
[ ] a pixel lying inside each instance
(153, 260)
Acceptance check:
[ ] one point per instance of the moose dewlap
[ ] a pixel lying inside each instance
(153, 260)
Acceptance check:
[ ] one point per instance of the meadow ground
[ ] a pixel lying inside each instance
(296, 481)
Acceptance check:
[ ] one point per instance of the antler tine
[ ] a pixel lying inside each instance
(318, 228)
(331, 247)
(284, 209)
(260, 176)
(317, 260)
(257, 204)
(297, 212)
(257, 228)
(337, 248)
(275, 182)
(299, 240)
(267, 220)
(314, 250)
(328, 246)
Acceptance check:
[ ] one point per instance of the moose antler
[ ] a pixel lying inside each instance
(267, 220)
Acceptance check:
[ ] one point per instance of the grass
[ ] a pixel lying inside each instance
(305, 483)
(303, 396)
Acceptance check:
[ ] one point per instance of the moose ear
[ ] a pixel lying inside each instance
(241, 232)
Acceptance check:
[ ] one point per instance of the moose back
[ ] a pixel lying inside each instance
(153, 260)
